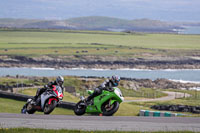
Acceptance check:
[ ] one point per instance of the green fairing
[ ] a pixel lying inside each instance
(90, 92)
(99, 100)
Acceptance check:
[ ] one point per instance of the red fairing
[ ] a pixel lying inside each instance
(54, 87)
(61, 95)
(51, 99)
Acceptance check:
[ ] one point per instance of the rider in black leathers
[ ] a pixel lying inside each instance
(106, 85)
(59, 81)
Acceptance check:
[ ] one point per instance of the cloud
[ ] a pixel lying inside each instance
(129, 9)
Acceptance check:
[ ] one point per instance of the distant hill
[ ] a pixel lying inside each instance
(94, 23)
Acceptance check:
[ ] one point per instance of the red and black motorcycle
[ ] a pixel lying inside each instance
(45, 103)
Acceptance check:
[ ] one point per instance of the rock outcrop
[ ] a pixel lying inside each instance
(161, 84)
(93, 82)
(103, 62)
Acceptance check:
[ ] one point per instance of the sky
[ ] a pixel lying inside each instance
(165, 10)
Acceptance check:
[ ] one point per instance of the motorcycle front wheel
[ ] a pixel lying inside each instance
(80, 108)
(48, 108)
(30, 109)
(109, 110)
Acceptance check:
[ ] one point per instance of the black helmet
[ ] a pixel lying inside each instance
(60, 80)
(115, 80)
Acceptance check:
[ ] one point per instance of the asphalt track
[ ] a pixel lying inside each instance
(170, 96)
(121, 123)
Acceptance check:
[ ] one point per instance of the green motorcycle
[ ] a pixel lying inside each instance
(106, 104)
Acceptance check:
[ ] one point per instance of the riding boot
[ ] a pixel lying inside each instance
(38, 100)
(34, 100)
(97, 91)
(88, 100)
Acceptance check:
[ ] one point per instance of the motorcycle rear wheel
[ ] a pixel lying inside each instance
(48, 108)
(80, 109)
(109, 110)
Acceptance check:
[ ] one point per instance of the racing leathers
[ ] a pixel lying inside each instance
(106, 85)
(47, 86)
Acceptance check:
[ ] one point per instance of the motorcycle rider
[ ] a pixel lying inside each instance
(59, 81)
(108, 85)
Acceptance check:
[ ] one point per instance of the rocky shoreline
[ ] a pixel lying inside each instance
(158, 84)
(89, 62)
(97, 62)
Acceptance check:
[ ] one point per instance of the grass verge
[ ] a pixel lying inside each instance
(42, 42)
(14, 106)
(29, 130)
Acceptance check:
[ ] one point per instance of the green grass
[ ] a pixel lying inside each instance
(14, 81)
(49, 39)
(182, 101)
(78, 84)
(133, 108)
(195, 95)
(143, 92)
(29, 130)
(10, 106)
(13, 106)
(126, 109)
(42, 42)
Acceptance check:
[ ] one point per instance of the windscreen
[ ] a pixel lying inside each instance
(58, 88)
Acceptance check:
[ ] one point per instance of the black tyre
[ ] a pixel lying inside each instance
(80, 108)
(109, 110)
(48, 108)
(30, 109)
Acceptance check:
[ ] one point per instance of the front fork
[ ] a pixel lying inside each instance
(109, 104)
